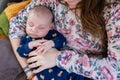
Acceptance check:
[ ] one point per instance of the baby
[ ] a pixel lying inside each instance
(40, 26)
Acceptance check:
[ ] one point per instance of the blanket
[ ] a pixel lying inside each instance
(8, 13)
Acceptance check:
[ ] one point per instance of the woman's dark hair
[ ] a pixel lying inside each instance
(92, 19)
(15, 0)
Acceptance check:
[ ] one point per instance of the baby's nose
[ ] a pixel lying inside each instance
(34, 29)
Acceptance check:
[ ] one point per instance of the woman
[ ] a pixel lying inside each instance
(92, 29)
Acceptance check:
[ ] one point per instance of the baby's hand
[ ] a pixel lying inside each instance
(36, 43)
(45, 46)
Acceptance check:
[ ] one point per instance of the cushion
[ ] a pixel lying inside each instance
(8, 13)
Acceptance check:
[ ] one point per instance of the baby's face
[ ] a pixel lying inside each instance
(38, 27)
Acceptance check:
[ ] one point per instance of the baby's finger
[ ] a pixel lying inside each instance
(38, 48)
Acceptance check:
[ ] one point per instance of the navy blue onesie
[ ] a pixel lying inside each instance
(53, 73)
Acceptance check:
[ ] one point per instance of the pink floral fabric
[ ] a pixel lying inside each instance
(76, 59)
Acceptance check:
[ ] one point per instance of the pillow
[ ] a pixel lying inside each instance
(4, 23)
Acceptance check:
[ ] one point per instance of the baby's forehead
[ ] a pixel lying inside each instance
(41, 11)
(39, 21)
(45, 16)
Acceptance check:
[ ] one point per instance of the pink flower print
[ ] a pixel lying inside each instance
(72, 22)
(117, 28)
(84, 60)
(109, 35)
(65, 31)
(66, 57)
(81, 42)
(107, 74)
(64, 62)
(116, 15)
(113, 54)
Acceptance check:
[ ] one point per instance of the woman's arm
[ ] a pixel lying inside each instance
(16, 31)
(89, 66)
(94, 67)
(15, 44)
(22, 61)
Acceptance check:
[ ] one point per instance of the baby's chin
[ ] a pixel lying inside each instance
(35, 36)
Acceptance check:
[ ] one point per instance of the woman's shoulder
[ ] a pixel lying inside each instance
(111, 9)
(112, 6)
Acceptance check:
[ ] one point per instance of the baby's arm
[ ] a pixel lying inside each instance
(27, 45)
(57, 41)
(23, 49)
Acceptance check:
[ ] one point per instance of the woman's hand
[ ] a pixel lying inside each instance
(43, 61)
(36, 43)
(44, 47)
(35, 78)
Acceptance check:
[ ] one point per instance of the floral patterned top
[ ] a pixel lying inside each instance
(80, 42)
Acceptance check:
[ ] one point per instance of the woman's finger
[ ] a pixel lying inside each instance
(44, 51)
(32, 53)
(38, 69)
(34, 65)
(40, 50)
(32, 59)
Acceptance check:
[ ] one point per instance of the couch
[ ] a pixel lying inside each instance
(10, 69)
(3, 4)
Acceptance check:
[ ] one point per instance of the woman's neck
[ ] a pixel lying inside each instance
(72, 6)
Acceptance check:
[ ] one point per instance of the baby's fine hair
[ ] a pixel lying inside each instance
(42, 10)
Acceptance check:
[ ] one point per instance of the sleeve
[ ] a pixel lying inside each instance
(17, 23)
(94, 67)
(23, 50)
(59, 40)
